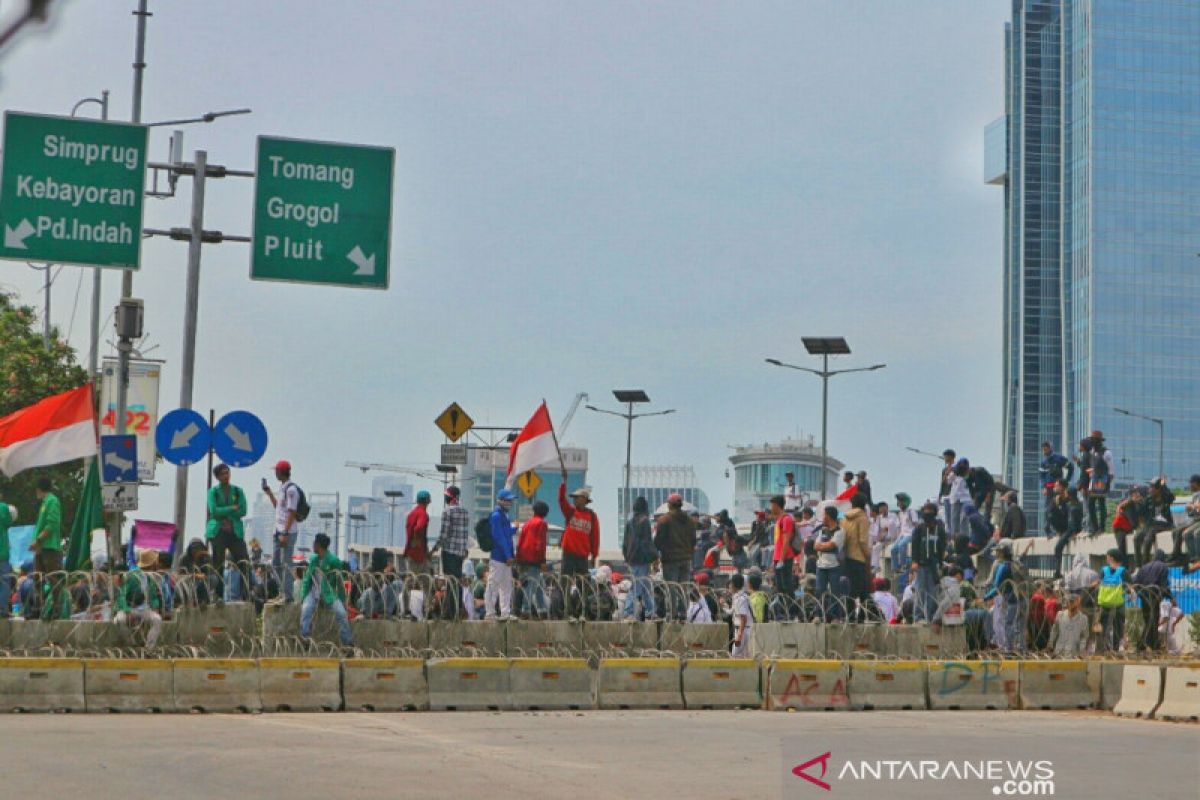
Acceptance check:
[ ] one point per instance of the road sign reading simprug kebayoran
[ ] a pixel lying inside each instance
(71, 190)
(322, 213)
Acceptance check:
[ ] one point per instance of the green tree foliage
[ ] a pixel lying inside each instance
(29, 372)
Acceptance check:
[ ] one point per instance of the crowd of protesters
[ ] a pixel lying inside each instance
(954, 560)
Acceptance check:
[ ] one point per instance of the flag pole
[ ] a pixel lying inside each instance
(562, 464)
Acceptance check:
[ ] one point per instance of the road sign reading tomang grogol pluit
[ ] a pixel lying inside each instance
(322, 213)
(71, 190)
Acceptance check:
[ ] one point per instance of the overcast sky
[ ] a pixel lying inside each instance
(587, 196)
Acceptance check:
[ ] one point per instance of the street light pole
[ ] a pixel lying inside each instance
(1161, 434)
(825, 347)
(629, 397)
(94, 347)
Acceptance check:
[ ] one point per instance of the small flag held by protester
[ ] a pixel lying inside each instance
(57, 429)
(535, 446)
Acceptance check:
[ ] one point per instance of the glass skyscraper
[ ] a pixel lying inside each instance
(1099, 156)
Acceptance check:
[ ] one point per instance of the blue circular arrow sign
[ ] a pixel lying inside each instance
(183, 437)
(240, 438)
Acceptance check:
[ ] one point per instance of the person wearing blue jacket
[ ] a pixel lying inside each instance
(500, 576)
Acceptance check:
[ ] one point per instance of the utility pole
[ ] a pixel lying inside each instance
(139, 69)
(195, 236)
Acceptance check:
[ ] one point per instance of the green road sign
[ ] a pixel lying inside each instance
(71, 190)
(322, 213)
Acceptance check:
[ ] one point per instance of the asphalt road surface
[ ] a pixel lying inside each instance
(643, 754)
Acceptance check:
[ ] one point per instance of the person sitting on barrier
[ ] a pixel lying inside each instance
(950, 600)
(958, 553)
(1187, 536)
(885, 602)
(322, 585)
(140, 599)
(1068, 523)
(1169, 616)
(743, 617)
(697, 610)
(443, 605)
(1130, 516)
(704, 585)
(196, 577)
(1157, 518)
(1069, 634)
(906, 521)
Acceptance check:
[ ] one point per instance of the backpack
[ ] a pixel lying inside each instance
(483, 533)
(1020, 577)
(303, 509)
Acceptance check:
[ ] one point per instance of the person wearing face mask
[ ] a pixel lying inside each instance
(500, 576)
(928, 553)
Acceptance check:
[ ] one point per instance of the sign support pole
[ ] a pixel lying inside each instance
(190, 310)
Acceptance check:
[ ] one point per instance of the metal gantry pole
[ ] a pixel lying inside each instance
(1161, 466)
(188, 361)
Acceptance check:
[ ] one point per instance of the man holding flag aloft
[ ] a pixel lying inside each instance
(536, 445)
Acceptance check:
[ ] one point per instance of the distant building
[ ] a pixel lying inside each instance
(656, 483)
(760, 473)
(485, 472)
(1099, 160)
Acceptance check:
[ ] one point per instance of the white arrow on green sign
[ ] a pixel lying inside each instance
(322, 213)
(71, 190)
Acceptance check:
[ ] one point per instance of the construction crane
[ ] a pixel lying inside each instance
(580, 398)
(433, 476)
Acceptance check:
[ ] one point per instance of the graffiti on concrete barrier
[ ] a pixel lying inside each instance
(957, 675)
(807, 689)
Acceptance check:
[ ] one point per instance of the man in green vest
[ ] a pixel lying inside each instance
(48, 550)
(322, 585)
(226, 508)
(47, 540)
(8, 515)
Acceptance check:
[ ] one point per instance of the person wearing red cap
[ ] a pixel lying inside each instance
(286, 507)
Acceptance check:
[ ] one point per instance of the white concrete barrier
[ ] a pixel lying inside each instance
(1181, 694)
(551, 683)
(41, 684)
(468, 684)
(128, 684)
(888, 685)
(216, 684)
(974, 685)
(721, 683)
(808, 685)
(639, 683)
(300, 684)
(384, 684)
(1141, 691)
(1056, 684)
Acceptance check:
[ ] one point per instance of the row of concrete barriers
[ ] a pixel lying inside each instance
(232, 630)
(396, 684)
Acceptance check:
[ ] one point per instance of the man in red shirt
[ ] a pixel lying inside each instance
(784, 557)
(531, 561)
(581, 536)
(416, 527)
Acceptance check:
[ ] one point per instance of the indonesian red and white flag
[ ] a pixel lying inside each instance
(51, 431)
(535, 445)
